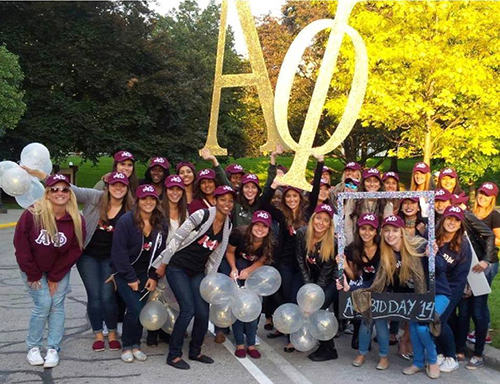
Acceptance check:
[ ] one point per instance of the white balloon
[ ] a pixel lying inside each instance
(168, 295)
(4, 167)
(35, 193)
(172, 315)
(217, 288)
(36, 156)
(153, 316)
(222, 315)
(246, 305)
(264, 281)
(323, 325)
(302, 340)
(16, 182)
(310, 297)
(288, 318)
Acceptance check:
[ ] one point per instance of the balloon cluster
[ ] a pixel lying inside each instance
(162, 309)
(229, 302)
(306, 323)
(16, 182)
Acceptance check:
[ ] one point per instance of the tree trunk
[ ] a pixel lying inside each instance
(394, 164)
(428, 144)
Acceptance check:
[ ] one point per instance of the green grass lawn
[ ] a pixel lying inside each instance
(494, 305)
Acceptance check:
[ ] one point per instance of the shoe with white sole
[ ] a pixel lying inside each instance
(257, 340)
(105, 331)
(119, 329)
(449, 365)
(139, 355)
(52, 359)
(127, 357)
(440, 360)
(34, 357)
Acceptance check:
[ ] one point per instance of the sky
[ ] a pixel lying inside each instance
(259, 8)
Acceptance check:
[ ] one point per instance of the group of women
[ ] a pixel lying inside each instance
(132, 233)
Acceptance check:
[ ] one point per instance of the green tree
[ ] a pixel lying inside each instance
(12, 106)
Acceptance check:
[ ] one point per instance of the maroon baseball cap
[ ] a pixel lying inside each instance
(455, 211)
(324, 182)
(234, 169)
(489, 189)
(161, 161)
(421, 167)
(368, 219)
(327, 169)
(117, 177)
(250, 178)
(395, 221)
(208, 174)
(459, 199)
(185, 164)
(442, 195)
(448, 172)
(174, 181)
(371, 172)
(324, 208)
(223, 189)
(353, 165)
(57, 178)
(290, 188)
(390, 174)
(282, 168)
(122, 156)
(414, 199)
(145, 190)
(263, 217)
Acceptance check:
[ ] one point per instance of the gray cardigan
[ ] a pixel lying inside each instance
(90, 199)
(187, 233)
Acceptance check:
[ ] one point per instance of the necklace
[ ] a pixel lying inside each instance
(410, 223)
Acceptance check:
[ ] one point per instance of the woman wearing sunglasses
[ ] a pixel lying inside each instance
(48, 240)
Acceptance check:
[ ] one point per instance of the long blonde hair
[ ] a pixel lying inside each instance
(409, 249)
(43, 215)
(427, 182)
(482, 212)
(327, 248)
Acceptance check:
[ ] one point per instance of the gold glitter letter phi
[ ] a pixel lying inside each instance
(258, 78)
(303, 149)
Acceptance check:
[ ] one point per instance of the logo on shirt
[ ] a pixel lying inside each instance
(207, 243)
(369, 269)
(398, 264)
(45, 239)
(448, 258)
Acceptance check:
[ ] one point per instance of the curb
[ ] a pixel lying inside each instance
(491, 356)
(8, 225)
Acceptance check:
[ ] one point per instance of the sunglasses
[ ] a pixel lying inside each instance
(59, 189)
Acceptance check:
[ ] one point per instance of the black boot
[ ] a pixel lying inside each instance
(152, 338)
(164, 336)
(326, 351)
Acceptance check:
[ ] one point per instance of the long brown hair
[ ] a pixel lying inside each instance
(409, 249)
(181, 207)
(295, 220)
(327, 248)
(157, 217)
(267, 243)
(105, 204)
(456, 241)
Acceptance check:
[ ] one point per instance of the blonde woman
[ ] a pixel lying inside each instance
(48, 240)
(315, 256)
(421, 181)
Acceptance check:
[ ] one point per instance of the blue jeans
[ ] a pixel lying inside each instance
(101, 299)
(132, 327)
(365, 335)
(241, 329)
(291, 281)
(445, 342)
(187, 292)
(477, 308)
(48, 309)
(421, 338)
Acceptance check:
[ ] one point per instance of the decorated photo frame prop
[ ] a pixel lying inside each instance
(396, 306)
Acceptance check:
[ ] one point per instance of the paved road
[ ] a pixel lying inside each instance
(80, 365)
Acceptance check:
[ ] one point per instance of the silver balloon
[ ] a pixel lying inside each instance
(172, 315)
(35, 193)
(323, 325)
(36, 156)
(264, 281)
(153, 316)
(217, 288)
(302, 340)
(16, 182)
(168, 295)
(310, 297)
(222, 315)
(288, 318)
(246, 305)
(4, 167)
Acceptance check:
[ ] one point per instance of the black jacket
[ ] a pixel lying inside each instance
(325, 269)
(481, 237)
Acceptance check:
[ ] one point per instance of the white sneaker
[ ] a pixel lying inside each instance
(139, 355)
(52, 359)
(119, 329)
(105, 331)
(440, 359)
(34, 357)
(449, 365)
(257, 340)
(127, 356)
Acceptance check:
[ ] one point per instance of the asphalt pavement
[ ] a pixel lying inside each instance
(79, 364)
